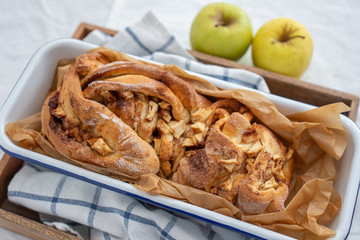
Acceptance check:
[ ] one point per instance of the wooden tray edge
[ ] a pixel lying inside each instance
(18, 223)
(31, 228)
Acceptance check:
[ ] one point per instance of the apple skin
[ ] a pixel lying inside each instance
(284, 46)
(221, 29)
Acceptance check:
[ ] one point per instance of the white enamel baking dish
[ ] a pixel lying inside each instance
(27, 97)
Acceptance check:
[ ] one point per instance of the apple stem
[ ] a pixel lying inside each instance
(219, 24)
(297, 36)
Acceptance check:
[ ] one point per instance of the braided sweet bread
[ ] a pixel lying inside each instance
(117, 112)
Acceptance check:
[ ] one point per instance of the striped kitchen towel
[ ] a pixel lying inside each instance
(93, 212)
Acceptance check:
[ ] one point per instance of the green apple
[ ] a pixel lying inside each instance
(221, 29)
(284, 46)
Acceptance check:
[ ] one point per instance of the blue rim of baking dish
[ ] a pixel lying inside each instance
(353, 213)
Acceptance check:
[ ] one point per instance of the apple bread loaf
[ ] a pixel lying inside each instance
(118, 112)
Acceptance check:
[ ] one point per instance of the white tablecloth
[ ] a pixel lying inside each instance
(334, 26)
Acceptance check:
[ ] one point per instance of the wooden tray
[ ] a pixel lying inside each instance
(26, 222)
(19, 219)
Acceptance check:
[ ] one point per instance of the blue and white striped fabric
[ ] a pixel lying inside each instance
(93, 212)
(233, 75)
(144, 38)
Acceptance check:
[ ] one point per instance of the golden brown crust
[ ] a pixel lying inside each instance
(136, 83)
(126, 151)
(205, 169)
(185, 92)
(86, 63)
(199, 170)
(265, 186)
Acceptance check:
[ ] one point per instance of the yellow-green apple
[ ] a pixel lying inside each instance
(221, 29)
(284, 46)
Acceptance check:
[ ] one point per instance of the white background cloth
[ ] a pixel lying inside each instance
(334, 26)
